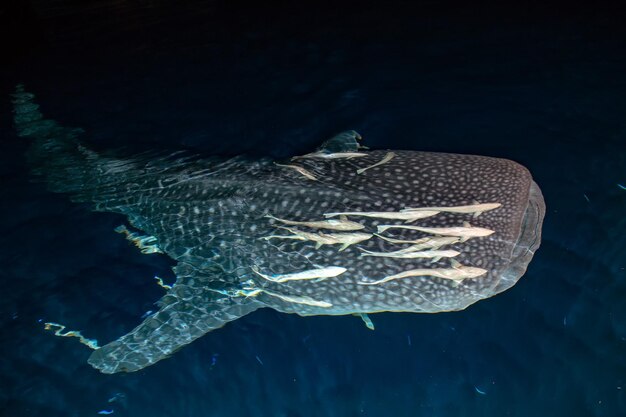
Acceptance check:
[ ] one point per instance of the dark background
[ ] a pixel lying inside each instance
(540, 83)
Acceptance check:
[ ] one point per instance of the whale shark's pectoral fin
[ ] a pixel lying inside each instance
(186, 314)
(366, 319)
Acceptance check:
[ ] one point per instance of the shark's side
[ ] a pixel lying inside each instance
(248, 234)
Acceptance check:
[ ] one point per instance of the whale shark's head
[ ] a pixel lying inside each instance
(488, 209)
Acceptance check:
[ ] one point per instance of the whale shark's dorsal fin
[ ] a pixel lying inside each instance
(345, 145)
(343, 142)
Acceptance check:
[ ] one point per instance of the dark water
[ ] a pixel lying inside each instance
(542, 85)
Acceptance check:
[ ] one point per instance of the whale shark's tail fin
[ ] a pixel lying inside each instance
(55, 153)
(28, 120)
(58, 156)
(203, 298)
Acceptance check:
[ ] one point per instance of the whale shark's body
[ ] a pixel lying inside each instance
(223, 222)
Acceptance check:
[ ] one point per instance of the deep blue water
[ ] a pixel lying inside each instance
(542, 85)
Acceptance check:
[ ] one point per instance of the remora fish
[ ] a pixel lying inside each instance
(406, 216)
(344, 239)
(477, 209)
(456, 273)
(333, 224)
(464, 232)
(206, 213)
(432, 254)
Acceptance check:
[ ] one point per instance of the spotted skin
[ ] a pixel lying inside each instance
(210, 216)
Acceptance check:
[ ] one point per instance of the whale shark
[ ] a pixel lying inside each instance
(248, 233)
